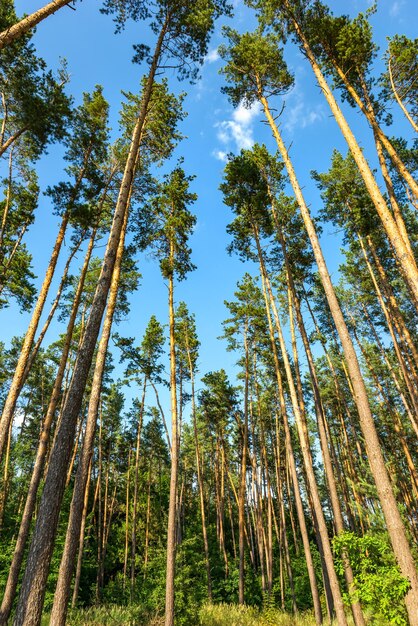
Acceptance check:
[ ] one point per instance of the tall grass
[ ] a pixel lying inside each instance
(235, 615)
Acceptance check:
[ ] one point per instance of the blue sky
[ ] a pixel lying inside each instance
(85, 38)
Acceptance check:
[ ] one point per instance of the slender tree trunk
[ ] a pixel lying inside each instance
(410, 384)
(306, 453)
(38, 468)
(62, 591)
(30, 21)
(148, 517)
(125, 562)
(10, 141)
(199, 474)
(293, 473)
(54, 306)
(136, 488)
(171, 527)
(33, 586)
(387, 498)
(99, 503)
(405, 260)
(243, 475)
(81, 543)
(321, 419)
(6, 471)
(399, 101)
(12, 396)
(9, 189)
(368, 111)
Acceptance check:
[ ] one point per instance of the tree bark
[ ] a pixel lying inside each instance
(62, 591)
(293, 473)
(171, 527)
(30, 21)
(387, 498)
(31, 598)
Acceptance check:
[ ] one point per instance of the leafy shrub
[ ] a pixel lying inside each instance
(380, 587)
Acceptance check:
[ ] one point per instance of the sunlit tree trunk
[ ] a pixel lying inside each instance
(62, 591)
(171, 528)
(30, 21)
(38, 468)
(384, 487)
(33, 586)
(293, 473)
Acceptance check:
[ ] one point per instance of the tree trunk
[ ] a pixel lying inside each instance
(15, 387)
(62, 591)
(407, 263)
(306, 453)
(387, 499)
(199, 474)
(171, 527)
(33, 586)
(293, 473)
(30, 21)
(81, 543)
(136, 487)
(399, 101)
(380, 136)
(242, 484)
(38, 468)
(321, 419)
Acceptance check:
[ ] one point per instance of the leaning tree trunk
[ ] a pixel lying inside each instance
(18, 376)
(407, 263)
(306, 452)
(32, 593)
(384, 487)
(63, 588)
(294, 478)
(30, 21)
(399, 100)
(21, 367)
(321, 420)
(25, 523)
(368, 111)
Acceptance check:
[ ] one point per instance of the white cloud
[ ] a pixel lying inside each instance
(212, 56)
(238, 130)
(298, 113)
(221, 155)
(396, 7)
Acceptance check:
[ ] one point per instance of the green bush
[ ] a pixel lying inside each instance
(380, 587)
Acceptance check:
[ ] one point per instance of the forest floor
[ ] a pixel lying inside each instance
(208, 615)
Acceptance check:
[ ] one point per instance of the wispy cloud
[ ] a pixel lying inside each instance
(238, 131)
(298, 113)
(396, 8)
(212, 56)
(221, 155)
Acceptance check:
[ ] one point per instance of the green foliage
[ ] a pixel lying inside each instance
(187, 23)
(402, 59)
(34, 103)
(166, 225)
(379, 583)
(254, 67)
(235, 615)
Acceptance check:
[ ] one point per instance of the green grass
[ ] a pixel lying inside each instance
(209, 615)
(235, 615)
